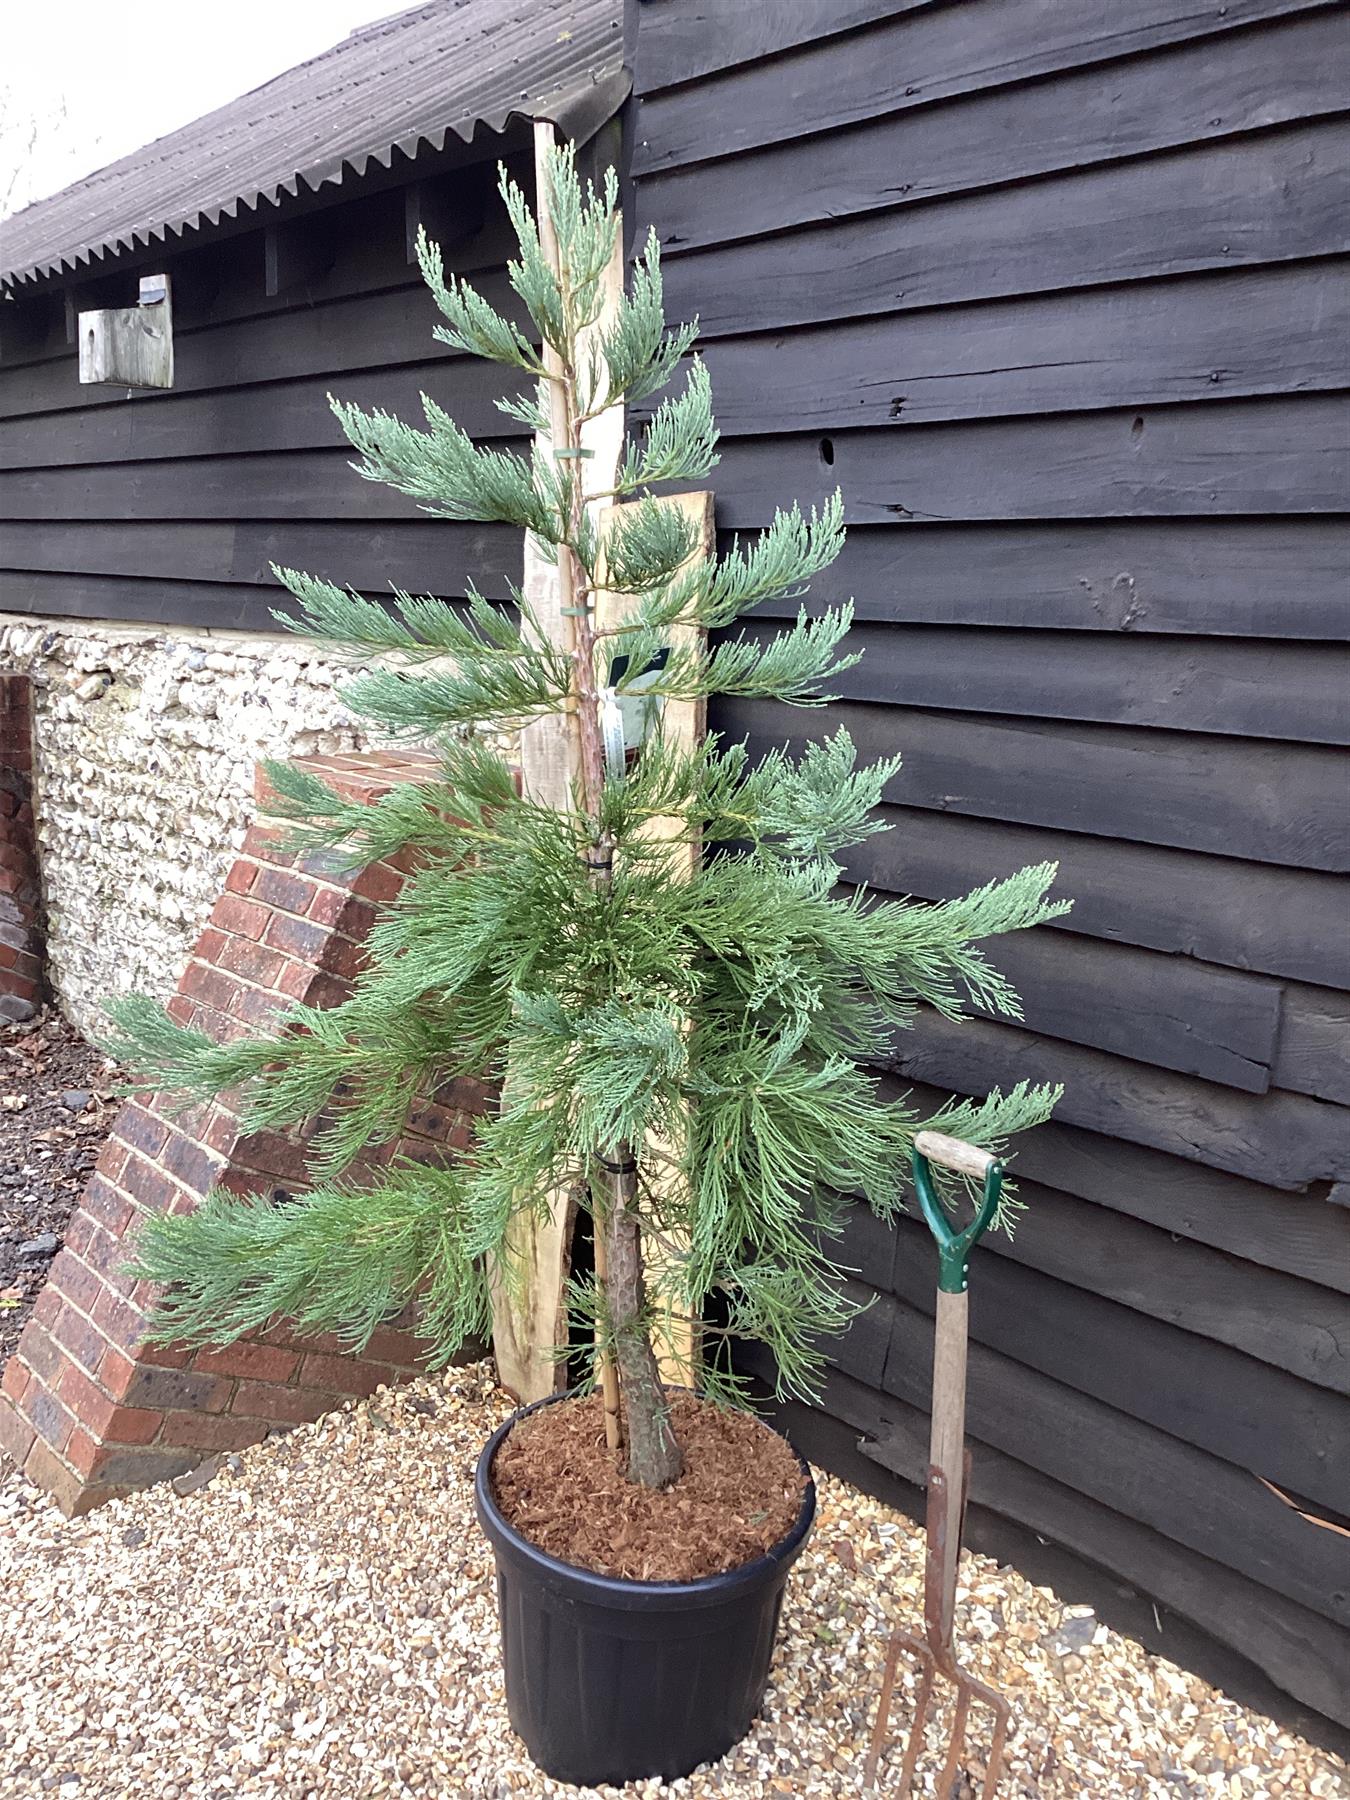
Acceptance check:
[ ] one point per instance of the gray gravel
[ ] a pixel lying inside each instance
(316, 1622)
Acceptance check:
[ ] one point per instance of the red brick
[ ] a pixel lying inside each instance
(45, 1468)
(211, 985)
(211, 1431)
(141, 1129)
(91, 1406)
(48, 1417)
(82, 1339)
(15, 1379)
(256, 1007)
(345, 958)
(40, 1351)
(329, 905)
(241, 956)
(210, 944)
(297, 937)
(48, 1304)
(241, 877)
(380, 882)
(282, 1405)
(112, 1159)
(17, 1436)
(195, 1167)
(261, 1362)
(102, 1201)
(288, 892)
(343, 1374)
(403, 1347)
(122, 1323)
(178, 1390)
(245, 918)
(75, 1281)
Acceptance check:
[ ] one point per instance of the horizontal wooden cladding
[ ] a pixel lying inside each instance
(287, 415)
(1241, 915)
(1263, 199)
(1162, 1010)
(1277, 1139)
(426, 556)
(681, 43)
(1299, 1234)
(1277, 456)
(216, 605)
(1198, 1499)
(1195, 338)
(1262, 456)
(925, 55)
(366, 332)
(1299, 1650)
(1281, 578)
(1262, 1419)
(1289, 1325)
(1215, 88)
(1259, 802)
(1248, 689)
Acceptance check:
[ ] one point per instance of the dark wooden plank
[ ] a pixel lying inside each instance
(1261, 802)
(1211, 577)
(435, 557)
(1313, 1056)
(680, 42)
(1275, 456)
(1278, 1139)
(1255, 689)
(338, 338)
(1292, 1430)
(283, 415)
(901, 64)
(1241, 915)
(213, 604)
(1193, 338)
(1185, 1493)
(1233, 205)
(1169, 1012)
(1299, 1233)
(1212, 88)
(1290, 1325)
(1165, 1011)
(1296, 1648)
(1268, 456)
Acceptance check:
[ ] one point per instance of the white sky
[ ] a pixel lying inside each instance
(98, 81)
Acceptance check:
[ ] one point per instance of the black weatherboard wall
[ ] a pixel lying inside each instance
(1052, 292)
(170, 507)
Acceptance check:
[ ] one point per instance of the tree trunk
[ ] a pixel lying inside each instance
(654, 1457)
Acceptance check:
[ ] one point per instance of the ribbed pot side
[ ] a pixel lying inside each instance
(610, 1680)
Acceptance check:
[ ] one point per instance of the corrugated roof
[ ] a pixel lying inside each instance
(401, 83)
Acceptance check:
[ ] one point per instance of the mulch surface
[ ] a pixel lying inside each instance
(56, 1108)
(557, 1483)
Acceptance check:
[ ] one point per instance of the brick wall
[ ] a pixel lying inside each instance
(90, 1411)
(21, 931)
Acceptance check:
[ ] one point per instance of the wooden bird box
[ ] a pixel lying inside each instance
(130, 346)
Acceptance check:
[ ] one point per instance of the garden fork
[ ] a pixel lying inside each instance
(948, 1473)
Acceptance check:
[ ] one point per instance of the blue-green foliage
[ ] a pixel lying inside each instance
(729, 1022)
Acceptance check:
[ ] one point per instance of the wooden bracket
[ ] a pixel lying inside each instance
(450, 210)
(297, 252)
(130, 346)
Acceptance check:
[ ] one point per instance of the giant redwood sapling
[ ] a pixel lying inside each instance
(689, 1053)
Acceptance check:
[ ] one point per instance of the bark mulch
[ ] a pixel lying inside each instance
(740, 1493)
(56, 1108)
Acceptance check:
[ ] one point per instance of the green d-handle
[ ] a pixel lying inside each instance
(954, 1247)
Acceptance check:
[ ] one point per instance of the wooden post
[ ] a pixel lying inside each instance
(130, 346)
(529, 1321)
(685, 723)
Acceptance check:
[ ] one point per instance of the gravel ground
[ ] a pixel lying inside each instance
(316, 1622)
(55, 1111)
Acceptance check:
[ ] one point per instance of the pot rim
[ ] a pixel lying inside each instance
(624, 1590)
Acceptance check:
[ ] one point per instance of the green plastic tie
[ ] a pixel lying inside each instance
(953, 1246)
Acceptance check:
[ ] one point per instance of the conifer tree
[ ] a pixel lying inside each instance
(687, 1053)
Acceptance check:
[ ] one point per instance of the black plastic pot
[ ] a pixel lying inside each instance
(610, 1680)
